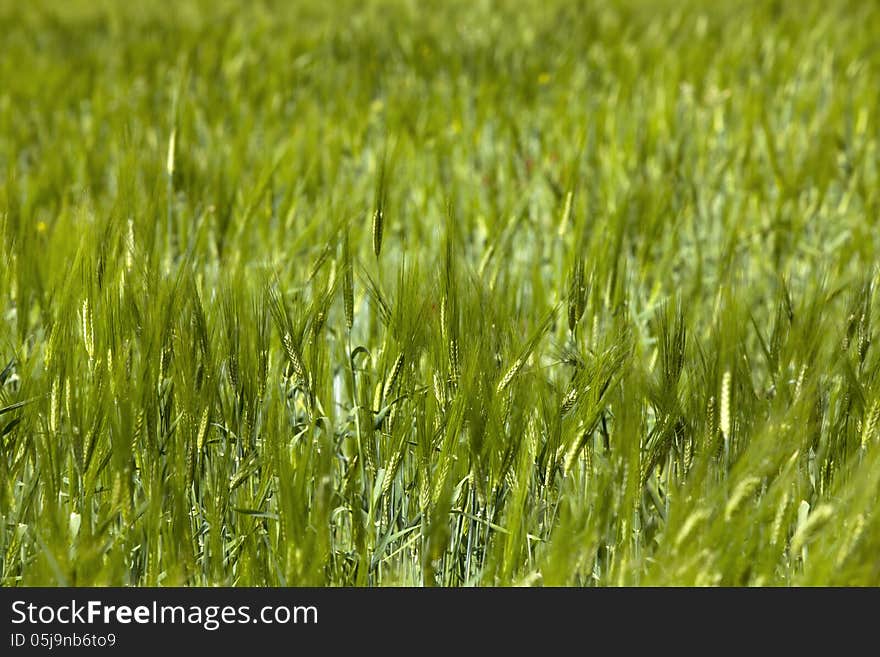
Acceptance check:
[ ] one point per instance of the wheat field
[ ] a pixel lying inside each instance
(445, 293)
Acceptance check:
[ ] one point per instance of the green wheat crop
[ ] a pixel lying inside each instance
(439, 293)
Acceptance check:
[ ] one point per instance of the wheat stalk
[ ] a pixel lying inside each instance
(378, 227)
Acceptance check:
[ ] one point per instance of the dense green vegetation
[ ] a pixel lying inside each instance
(454, 293)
